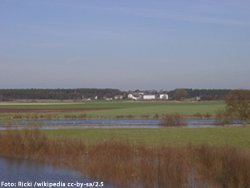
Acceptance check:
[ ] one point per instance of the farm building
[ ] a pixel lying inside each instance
(118, 97)
(164, 96)
(141, 96)
(148, 97)
(135, 96)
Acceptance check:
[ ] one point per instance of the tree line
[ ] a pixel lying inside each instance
(85, 93)
(77, 94)
(199, 94)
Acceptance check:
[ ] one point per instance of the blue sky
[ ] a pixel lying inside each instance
(125, 44)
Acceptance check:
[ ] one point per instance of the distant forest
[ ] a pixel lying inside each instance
(203, 94)
(75, 94)
(85, 93)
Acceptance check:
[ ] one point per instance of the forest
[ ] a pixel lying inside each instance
(77, 94)
(199, 94)
(85, 93)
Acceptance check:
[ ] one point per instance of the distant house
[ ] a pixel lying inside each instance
(148, 97)
(108, 99)
(164, 96)
(198, 98)
(135, 96)
(131, 96)
(118, 97)
(141, 96)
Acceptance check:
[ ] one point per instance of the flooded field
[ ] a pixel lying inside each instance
(27, 173)
(106, 123)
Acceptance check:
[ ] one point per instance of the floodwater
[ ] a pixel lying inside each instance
(26, 173)
(105, 123)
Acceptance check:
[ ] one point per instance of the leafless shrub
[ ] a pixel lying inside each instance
(173, 120)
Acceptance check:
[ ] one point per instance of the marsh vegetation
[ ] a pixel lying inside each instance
(128, 164)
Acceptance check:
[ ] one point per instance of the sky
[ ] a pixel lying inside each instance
(126, 45)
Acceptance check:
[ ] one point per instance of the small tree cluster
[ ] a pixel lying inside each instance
(180, 94)
(238, 105)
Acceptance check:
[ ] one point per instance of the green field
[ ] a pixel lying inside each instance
(139, 109)
(128, 108)
(236, 136)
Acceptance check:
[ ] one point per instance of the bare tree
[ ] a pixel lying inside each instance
(238, 104)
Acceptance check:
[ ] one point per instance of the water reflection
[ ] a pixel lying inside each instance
(30, 173)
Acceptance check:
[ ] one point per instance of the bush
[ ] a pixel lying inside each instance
(145, 116)
(198, 115)
(238, 104)
(201, 116)
(17, 116)
(130, 116)
(222, 117)
(82, 116)
(207, 115)
(173, 120)
(156, 116)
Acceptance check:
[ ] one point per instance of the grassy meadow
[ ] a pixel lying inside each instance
(118, 109)
(151, 109)
(157, 137)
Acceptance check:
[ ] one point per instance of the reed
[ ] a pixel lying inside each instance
(130, 165)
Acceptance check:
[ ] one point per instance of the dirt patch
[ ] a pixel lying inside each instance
(48, 110)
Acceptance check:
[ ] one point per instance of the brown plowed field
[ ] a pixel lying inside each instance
(47, 110)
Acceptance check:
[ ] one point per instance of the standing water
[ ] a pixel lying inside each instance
(26, 173)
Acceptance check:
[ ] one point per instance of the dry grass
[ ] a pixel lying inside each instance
(124, 163)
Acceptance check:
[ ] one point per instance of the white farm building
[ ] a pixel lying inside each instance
(141, 96)
(148, 97)
(164, 96)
